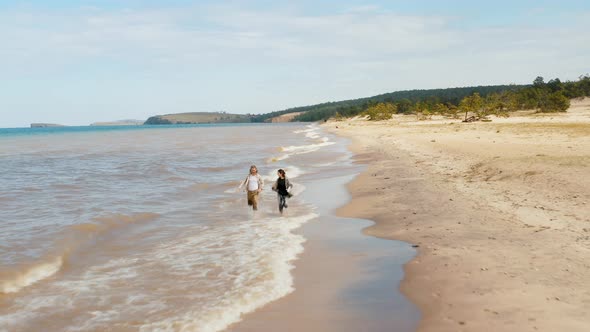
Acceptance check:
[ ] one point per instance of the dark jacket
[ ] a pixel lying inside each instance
(282, 190)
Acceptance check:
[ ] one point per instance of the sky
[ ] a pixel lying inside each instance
(78, 62)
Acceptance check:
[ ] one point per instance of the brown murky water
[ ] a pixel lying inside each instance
(145, 230)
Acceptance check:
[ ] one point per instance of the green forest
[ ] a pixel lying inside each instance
(472, 103)
(480, 101)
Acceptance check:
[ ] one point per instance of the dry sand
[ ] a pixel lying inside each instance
(500, 211)
(285, 117)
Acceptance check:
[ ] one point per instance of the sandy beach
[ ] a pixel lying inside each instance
(499, 211)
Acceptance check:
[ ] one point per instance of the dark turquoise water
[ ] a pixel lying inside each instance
(79, 129)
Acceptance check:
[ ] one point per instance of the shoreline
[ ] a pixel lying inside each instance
(343, 280)
(500, 223)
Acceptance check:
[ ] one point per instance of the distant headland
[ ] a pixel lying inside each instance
(45, 125)
(119, 123)
(198, 117)
(479, 101)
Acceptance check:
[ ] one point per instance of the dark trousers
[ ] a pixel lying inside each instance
(282, 202)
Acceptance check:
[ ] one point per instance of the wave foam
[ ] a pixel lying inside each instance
(291, 171)
(310, 128)
(312, 135)
(30, 275)
(258, 275)
(302, 149)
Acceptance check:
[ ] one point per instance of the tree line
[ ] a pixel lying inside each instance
(480, 101)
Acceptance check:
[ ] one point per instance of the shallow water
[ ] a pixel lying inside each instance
(145, 229)
(370, 299)
(345, 281)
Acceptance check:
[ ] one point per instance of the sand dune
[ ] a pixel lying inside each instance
(500, 211)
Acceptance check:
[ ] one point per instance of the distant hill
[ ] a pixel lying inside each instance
(346, 107)
(119, 123)
(354, 106)
(198, 117)
(406, 98)
(406, 102)
(45, 125)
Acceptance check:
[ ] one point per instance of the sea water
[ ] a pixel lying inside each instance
(144, 228)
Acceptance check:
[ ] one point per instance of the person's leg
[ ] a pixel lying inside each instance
(249, 198)
(281, 202)
(255, 200)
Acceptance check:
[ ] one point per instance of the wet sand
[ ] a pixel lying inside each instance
(344, 281)
(499, 211)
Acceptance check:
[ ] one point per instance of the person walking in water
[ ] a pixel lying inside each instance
(253, 185)
(282, 186)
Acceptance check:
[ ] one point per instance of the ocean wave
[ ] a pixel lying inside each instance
(14, 281)
(108, 223)
(73, 238)
(233, 190)
(312, 135)
(196, 187)
(259, 273)
(309, 128)
(298, 149)
(301, 149)
(290, 170)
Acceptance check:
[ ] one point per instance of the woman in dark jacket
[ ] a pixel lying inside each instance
(282, 186)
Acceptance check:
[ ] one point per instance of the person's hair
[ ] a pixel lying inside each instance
(253, 167)
(282, 172)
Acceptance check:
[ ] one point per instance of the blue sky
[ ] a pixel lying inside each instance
(77, 62)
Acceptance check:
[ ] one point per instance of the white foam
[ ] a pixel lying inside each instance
(312, 135)
(233, 190)
(291, 171)
(302, 149)
(34, 274)
(30, 308)
(304, 131)
(257, 274)
(310, 128)
(306, 148)
(279, 158)
(223, 270)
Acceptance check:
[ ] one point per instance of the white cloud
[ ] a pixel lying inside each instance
(222, 33)
(268, 59)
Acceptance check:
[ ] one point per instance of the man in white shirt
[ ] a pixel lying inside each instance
(253, 185)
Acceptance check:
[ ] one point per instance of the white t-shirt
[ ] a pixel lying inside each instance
(252, 182)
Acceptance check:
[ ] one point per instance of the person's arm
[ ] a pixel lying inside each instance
(244, 184)
(289, 185)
